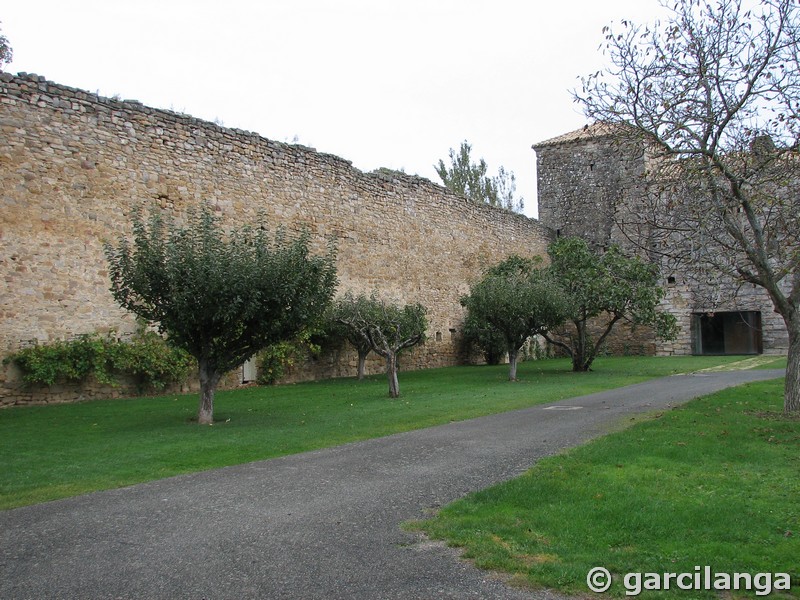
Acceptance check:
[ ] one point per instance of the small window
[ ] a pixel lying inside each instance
(452, 334)
(671, 279)
(438, 336)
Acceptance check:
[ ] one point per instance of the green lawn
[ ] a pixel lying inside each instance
(778, 363)
(714, 483)
(56, 451)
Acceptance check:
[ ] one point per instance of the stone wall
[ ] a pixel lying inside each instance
(684, 300)
(74, 166)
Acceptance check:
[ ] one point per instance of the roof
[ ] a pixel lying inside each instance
(586, 132)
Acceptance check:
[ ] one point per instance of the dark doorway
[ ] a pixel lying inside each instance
(727, 332)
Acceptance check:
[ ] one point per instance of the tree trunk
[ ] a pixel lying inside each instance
(579, 352)
(209, 379)
(362, 360)
(512, 364)
(391, 373)
(791, 390)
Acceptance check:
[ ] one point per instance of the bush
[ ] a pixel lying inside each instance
(152, 361)
(147, 357)
(276, 360)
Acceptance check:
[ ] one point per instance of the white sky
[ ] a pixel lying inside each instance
(380, 83)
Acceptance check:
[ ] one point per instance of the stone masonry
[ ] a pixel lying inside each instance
(74, 166)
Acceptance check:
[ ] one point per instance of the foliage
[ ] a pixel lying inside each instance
(609, 287)
(482, 336)
(276, 360)
(477, 331)
(222, 298)
(510, 304)
(336, 327)
(52, 451)
(471, 181)
(709, 479)
(72, 360)
(153, 361)
(147, 357)
(387, 328)
(6, 53)
(710, 94)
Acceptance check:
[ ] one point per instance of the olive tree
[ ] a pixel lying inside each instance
(512, 302)
(711, 93)
(221, 297)
(388, 329)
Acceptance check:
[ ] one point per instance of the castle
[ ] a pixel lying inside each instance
(74, 166)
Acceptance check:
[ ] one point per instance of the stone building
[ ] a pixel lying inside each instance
(587, 179)
(74, 165)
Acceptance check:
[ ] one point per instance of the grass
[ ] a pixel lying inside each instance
(778, 363)
(714, 482)
(52, 452)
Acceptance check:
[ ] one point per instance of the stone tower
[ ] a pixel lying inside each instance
(584, 178)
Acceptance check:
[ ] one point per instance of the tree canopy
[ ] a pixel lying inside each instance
(510, 304)
(6, 53)
(606, 287)
(221, 297)
(711, 94)
(470, 180)
(388, 329)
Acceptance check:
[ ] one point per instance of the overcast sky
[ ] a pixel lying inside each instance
(380, 83)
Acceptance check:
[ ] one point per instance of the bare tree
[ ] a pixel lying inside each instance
(711, 94)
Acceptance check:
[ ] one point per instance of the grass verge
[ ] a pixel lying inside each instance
(52, 452)
(714, 482)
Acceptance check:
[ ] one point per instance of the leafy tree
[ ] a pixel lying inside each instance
(606, 287)
(388, 329)
(6, 53)
(221, 298)
(478, 331)
(470, 180)
(485, 338)
(711, 93)
(512, 303)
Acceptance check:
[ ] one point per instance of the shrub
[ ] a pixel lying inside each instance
(276, 360)
(147, 357)
(152, 361)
